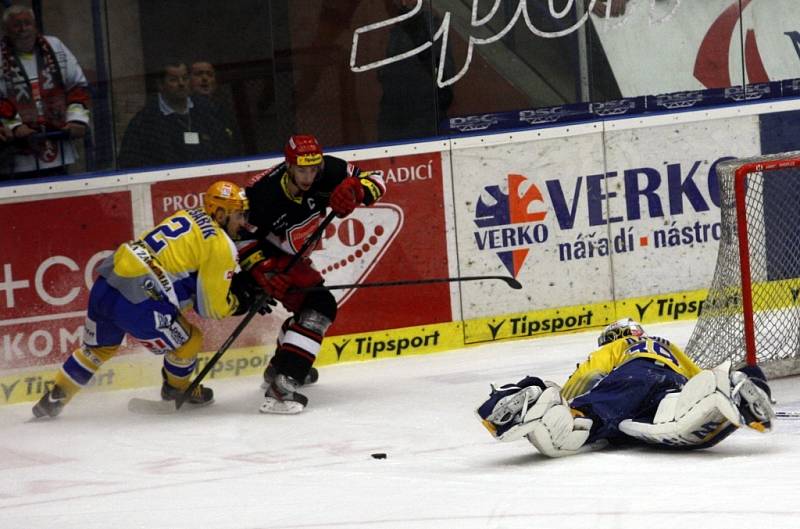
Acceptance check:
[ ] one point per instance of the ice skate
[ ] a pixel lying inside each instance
(51, 403)
(200, 396)
(270, 372)
(282, 397)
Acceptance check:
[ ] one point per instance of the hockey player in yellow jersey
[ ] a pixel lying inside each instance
(187, 261)
(622, 342)
(634, 388)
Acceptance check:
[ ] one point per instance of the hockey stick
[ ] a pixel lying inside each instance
(148, 406)
(258, 304)
(510, 281)
(164, 406)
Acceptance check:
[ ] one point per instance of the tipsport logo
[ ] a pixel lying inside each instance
(511, 224)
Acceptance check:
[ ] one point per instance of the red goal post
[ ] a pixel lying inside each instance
(752, 311)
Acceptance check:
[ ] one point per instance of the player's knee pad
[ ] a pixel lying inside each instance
(301, 343)
(189, 349)
(699, 416)
(284, 327)
(554, 429)
(100, 354)
(314, 321)
(322, 302)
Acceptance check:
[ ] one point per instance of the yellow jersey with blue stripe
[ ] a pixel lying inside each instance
(187, 259)
(605, 359)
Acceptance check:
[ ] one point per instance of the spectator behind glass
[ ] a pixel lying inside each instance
(42, 89)
(412, 103)
(203, 78)
(174, 127)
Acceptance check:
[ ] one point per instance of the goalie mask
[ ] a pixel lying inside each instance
(620, 329)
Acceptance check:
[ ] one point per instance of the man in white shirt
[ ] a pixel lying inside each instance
(174, 127)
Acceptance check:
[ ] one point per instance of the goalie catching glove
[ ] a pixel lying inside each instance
(535, 409)
(347, 196)
(504, 410)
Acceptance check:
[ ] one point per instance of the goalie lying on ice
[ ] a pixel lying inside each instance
(633, 389)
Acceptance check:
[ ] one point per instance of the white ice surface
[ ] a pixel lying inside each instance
(98, 466)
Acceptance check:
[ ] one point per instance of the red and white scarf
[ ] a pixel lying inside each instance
(43, 108)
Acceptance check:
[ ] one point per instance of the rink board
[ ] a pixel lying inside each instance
(596, 220)
(140, 369)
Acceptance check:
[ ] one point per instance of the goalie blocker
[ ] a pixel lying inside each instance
(639, 400)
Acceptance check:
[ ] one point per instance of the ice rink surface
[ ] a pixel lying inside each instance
(98, 466)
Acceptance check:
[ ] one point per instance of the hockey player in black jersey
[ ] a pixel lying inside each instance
(287, 204)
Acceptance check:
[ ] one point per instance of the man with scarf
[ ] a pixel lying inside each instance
(42, 90)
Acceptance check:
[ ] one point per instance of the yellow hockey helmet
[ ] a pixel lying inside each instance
(226, 196)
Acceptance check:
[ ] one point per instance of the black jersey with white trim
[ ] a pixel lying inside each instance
(287, 221)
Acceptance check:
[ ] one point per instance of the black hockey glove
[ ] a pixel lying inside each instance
(246, 290)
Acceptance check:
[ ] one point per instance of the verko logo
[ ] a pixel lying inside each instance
(509, 224)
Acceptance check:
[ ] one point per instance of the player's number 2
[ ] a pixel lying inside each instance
(172, 230)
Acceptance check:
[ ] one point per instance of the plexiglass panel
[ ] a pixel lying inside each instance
(190, 81)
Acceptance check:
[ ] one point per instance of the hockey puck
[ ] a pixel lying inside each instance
(379, 455)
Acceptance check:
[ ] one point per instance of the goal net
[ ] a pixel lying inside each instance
(751, 312)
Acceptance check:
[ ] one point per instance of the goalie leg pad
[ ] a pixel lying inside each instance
(699, 416)
(553, 429)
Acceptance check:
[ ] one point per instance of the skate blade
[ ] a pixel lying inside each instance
(281, 407)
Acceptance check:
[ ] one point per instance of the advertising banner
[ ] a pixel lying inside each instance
(49, 250)
(414, 210)
(402, 237)
(596, 221)
(663, 199)
(532, 209)
(662, 46)
(614, 222)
